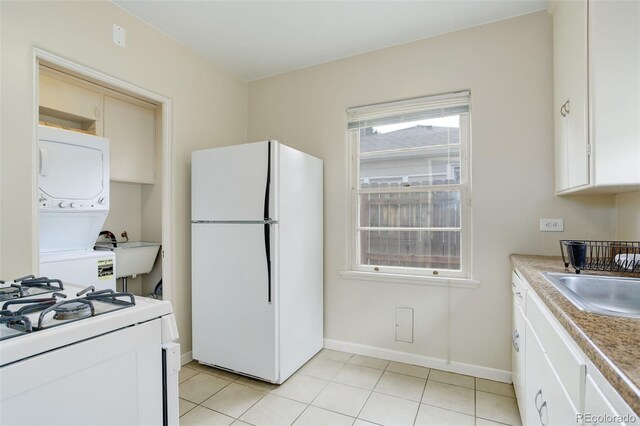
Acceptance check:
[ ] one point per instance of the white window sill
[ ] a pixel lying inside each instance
(410, 279)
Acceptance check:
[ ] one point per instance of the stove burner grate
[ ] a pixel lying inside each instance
(41, 282)
(29, 286)
(15, 321)
(12, 292)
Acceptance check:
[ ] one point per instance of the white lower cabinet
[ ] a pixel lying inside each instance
(602, 404)
(518, 341)
(547, 402)
(555, 383)
(598, 406)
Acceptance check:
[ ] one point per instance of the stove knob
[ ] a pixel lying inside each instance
(62, 204)
(102, 200)
(73, 205)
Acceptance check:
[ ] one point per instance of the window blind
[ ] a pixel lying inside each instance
(409, 110)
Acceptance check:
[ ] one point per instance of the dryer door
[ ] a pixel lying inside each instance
(69, 171)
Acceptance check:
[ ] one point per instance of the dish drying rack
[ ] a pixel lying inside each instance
(610, 256)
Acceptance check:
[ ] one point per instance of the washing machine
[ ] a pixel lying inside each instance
(73, 181)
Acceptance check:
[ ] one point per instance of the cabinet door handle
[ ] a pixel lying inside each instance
(542, 407)
(564, 109)
(538, 394)
(514, 340)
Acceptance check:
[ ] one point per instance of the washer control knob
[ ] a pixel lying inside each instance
(73, 205)
(102, 200)
(62, 204)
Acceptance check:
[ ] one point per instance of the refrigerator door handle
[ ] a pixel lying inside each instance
(266, 191)
(267, 249)
(268, 220)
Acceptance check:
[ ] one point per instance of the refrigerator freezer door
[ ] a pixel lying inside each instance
(234, 324)
(230, 183)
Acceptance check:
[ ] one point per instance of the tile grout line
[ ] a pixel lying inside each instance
(252, 405)
(294, 400)
(296, 419)
(424, 389)
(194, 406)
(494, 421)
(343, 384)
(308, 404)
(219, 390)
(475, 400)
(369, 397)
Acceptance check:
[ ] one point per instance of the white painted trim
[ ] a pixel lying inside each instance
(410, 279)
(35, 205)
(421, 360)
(186, 358)
(168, 207)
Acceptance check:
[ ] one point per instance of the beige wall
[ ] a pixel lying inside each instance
(628, 216)
(125, 214)
(209, 109)
(508, 68)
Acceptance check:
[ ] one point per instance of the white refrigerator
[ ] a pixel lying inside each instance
(257, 258)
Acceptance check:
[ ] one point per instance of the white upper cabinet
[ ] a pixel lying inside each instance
(130, 128)
(596, 53)
(68, 103)
(570, 94)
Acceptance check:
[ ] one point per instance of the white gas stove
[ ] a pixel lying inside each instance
(77, 350)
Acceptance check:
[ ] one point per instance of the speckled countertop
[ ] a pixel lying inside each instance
(611, 343)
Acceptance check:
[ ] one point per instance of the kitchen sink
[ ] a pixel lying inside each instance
(132, 258)
(599, 294)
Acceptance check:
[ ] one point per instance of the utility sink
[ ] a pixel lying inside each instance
(132, 258)
(599, 294)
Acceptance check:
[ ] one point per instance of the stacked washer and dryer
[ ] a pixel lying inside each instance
(74, 203)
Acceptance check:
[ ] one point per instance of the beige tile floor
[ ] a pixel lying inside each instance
(337, 388)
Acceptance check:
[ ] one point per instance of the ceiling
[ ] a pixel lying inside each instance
(256, 39)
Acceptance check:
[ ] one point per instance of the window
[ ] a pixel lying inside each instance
(410, 187)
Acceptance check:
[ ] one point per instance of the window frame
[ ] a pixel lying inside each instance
(411, 274)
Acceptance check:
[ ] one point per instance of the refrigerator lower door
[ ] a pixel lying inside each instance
(234, 324)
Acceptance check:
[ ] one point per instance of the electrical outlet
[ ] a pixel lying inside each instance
(551, 225)
(118, 35)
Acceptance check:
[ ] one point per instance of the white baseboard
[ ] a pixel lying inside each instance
(186, 358)
(421, 360)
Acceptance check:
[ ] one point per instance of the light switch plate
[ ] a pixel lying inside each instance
(551, 225)
(118, 35)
